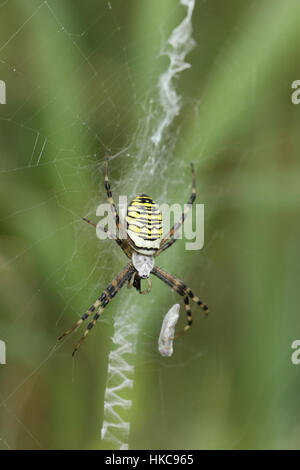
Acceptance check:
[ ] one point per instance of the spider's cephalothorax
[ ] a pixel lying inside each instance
(144, 225)
(143, 264)
(144, 242)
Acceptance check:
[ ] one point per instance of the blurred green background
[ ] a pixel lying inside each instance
(80, 77)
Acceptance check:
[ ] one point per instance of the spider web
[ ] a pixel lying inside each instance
(79, 83)
(76, 166)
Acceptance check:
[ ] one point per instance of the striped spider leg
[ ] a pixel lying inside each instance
(181, 289)
(110, 197)
(100, 304)
(177, 285)
(169, 239)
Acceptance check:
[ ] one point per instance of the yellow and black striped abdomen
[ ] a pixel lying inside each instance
(144, 225)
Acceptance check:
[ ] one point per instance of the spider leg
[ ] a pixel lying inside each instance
(178, 286)
(110, 198)
(132, 281)
(181, 289)
(135, 281)
(111, 290)
(123, 244)
(165, 246)
(183, 217)
(189, 318)
(146, 291)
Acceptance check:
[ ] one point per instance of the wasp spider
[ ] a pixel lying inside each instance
(143, 244)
